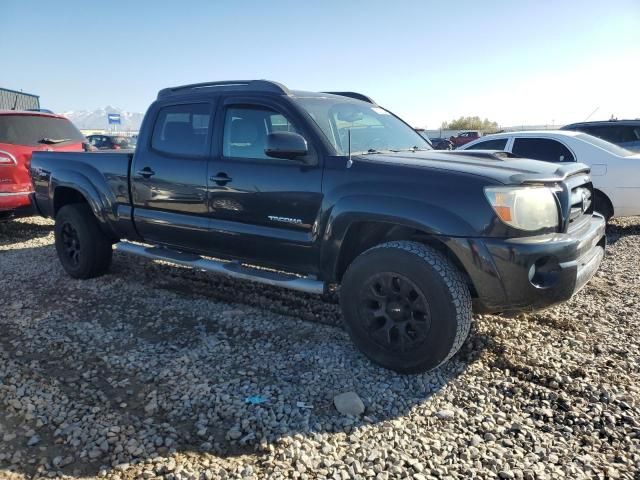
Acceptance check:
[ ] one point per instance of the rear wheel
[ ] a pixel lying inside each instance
(83, 249)
(405, 306)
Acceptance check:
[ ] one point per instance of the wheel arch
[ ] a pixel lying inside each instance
(603, 195)
(68, 187)
(362, 235)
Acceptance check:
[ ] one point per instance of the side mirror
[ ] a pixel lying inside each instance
(287, 145)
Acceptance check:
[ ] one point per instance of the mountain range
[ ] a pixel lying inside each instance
(97, 119)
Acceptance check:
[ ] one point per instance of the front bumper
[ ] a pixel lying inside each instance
(524, 274)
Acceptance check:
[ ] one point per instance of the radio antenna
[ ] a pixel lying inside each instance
(597, 108)
(349, 161)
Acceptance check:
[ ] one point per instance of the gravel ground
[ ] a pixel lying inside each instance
(145, 373)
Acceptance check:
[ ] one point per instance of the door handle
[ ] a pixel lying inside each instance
(221, 178)
(146, 172)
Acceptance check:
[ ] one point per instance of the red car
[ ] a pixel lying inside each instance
(464, 137)
(22, 133)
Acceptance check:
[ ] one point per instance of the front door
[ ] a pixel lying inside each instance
(263, 209)
(169, 177)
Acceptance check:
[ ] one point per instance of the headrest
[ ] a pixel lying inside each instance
(175, 131)
(243, 131)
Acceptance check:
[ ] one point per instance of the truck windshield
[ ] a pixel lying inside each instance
(35, 130)
(373, 129)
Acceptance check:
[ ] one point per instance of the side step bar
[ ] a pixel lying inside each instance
(231, 269)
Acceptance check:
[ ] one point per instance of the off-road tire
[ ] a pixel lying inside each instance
(94, 248)
(430, 276)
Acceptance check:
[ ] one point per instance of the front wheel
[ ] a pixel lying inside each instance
(406, 306)
(83, 249)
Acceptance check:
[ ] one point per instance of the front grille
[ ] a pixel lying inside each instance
(580, 204)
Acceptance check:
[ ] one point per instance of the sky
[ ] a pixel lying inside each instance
(514, 62)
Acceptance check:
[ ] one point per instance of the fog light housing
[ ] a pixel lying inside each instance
(544, 272)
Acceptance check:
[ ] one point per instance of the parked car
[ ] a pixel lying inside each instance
(441, 143)
(110, 142)
(21, 133)
(336, 191)
(615, 170)
(464, 137)
(624, 133)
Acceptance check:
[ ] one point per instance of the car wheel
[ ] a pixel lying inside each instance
(83, 249)
(406, 306)
(602, 205)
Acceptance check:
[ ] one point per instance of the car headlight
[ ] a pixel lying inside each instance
(525, 208)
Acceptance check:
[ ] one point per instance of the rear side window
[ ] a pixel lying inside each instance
(496, 144)
(542, 149)
(183, 130)
(36, 130)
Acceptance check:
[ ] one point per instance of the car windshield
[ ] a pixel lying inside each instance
(373, 129)
(603, 144)
(35, 130)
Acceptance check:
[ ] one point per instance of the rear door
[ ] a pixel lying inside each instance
(262, 209)
(169, 176)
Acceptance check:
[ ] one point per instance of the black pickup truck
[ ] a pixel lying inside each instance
(317, 191)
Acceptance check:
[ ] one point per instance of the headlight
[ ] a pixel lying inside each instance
(525, 208)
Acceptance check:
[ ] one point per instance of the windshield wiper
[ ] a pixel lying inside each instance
(372, 150)
(50, 141)
(414, 149)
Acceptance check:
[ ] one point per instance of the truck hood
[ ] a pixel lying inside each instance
(496, 165)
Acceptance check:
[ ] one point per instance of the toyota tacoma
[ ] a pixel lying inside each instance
(329, 191)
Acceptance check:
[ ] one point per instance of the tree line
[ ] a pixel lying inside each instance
(470, 123)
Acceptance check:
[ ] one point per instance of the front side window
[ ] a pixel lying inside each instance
(495, 144)
(371, 129)
(246, 130)
(544, 149)
(183, 130)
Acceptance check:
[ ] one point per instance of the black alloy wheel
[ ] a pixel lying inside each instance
(71, 243)
(396, 311)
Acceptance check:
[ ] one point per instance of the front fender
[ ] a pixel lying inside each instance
(427, 218)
